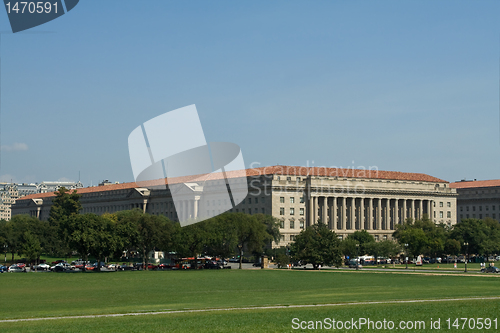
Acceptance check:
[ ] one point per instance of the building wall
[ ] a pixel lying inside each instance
(344, 204)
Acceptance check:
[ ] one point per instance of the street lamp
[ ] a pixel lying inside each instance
(357, 256)
(406, 253)
(466, 255)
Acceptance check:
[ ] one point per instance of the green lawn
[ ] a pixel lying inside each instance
(52, 294)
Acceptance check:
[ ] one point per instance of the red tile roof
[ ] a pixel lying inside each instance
(272, 170)
(477, 183)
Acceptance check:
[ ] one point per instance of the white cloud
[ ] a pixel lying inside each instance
(14, 147)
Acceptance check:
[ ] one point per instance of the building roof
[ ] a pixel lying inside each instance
(272, 170)
(475, 183)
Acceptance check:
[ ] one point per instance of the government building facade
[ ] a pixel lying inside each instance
(478, 199)
(346, 200)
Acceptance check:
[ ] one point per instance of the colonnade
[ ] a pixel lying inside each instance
(361, 213)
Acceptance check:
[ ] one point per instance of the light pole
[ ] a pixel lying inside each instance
(406, 253)
(466, 255)
(357, 256)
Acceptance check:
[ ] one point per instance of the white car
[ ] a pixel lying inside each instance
(41, 267)
(15, 269)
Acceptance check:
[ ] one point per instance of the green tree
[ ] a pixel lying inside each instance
(82, 234)
(317, 245)
(30, 246)
(65, 205)
(251, 233)
(362, 238)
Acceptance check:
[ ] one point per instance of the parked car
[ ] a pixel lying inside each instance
(490, 269)
(3, 269)
(58, 262)
(126, 267)
(212, 265)
(62, 267)
(16, 269)
(112, 267)
(42, 267)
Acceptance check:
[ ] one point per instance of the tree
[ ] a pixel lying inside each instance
(317, 245)
(153, 232)
(251, 233)
(362, 238)
(415, 238)
(64, 206)
(82, 234)
(30, 246)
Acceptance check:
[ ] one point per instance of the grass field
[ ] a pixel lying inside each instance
(50, 294)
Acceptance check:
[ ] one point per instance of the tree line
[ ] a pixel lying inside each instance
(110, 235)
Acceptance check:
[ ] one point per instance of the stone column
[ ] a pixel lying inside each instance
(325, 207)
(404, 210)
(396, 215)
(412, 213)
(420, 209)
(352, 220)
(370, 213)
(429, 209)
(432, 210)
(344, 214)
(333, 213)
(387, 214)
(196, 203)
(362, 215)
(315, 204)
(311, 210)
(379, 214)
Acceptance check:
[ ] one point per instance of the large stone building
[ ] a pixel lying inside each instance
(345, 199)
(10, 192)
(478, 199)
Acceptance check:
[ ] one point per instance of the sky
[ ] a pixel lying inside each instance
(397, 85)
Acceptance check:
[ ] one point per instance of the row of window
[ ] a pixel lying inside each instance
(292, 224)
(441, 214)
(292, 200)
(494, 216)
(292, 211)
(441, 204)
(480, 208)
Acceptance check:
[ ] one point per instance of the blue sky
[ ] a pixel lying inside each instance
(400, 85)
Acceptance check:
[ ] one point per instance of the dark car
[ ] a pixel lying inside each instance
(212, 265)
(490, 269)
(3, 269)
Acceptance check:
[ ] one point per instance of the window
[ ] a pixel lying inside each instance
(480, 208)
(434, 214)
(249, 201)
(255, 210)
(441, 215)
(256, 200)
(467, 208)
(292, 224)
(282, 210)
(263, 210)
(440, 204)
(301, 199)
(448, 215)
(292, 211)
(282, 238)
(282, 199)
(473, 208)
(292, 238)
(263, 199)
(492, 207)
(289, 178)
(301, 224)
(480, 216)
(385, 237)
(282, 224)
(292, 200)
(448, 204)
(461, 216)
(461, 208)
(467, 215)
(376, 238)
(301, 211)
(486, 207)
